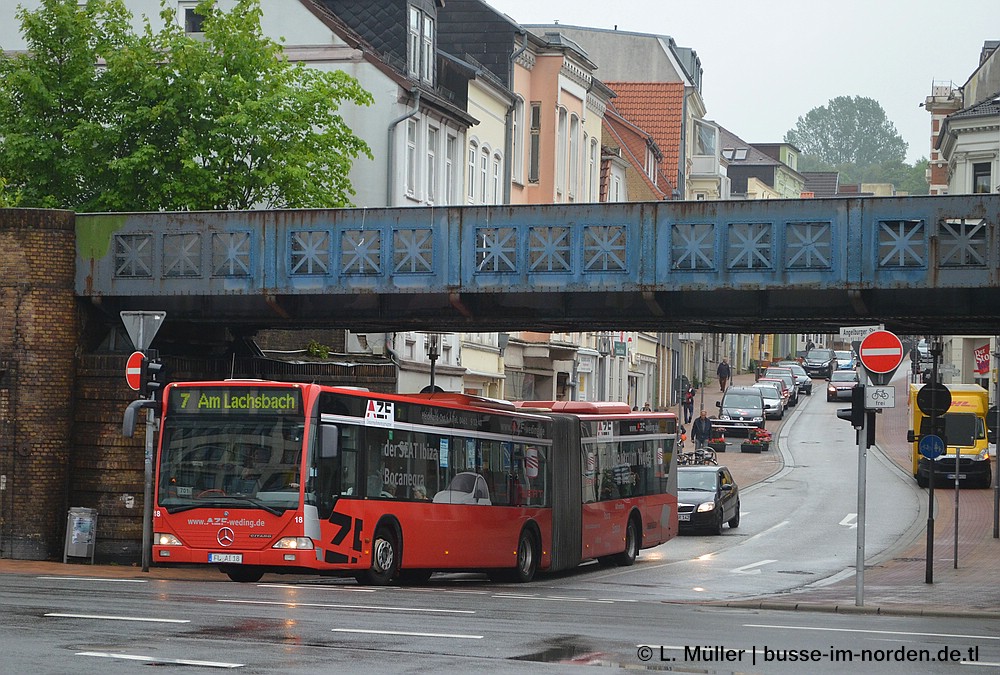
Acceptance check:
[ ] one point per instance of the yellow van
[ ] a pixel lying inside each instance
(965, 433)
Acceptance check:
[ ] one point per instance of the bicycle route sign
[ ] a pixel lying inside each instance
(879, 398)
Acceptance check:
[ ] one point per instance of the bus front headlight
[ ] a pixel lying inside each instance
(298, 543)
(166, 539)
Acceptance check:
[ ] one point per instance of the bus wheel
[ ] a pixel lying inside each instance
(243, 575)
(628, 556)
(527, 557)
(385, 558)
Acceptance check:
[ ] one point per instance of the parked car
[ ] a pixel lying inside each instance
(782, 388)
(786, 375)
(774, 402)
(845, 360)
(924, 352)
(741, 409)
(801, 376)
(707, 497)
(841, 384)
(820, 362)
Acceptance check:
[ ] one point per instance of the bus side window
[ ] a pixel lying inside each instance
(326, 462)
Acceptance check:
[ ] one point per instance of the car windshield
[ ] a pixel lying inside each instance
(741, 401)
(843, 356)
(844, 376)
(768, 391)
(820, 354)
(696, 480)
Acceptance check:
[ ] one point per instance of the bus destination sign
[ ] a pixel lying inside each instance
(235, 400)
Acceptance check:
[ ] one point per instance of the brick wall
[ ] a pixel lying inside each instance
(38, 340)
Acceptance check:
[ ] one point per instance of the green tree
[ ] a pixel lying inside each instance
(173, 121)
(848, 131)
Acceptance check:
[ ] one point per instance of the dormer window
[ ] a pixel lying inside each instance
(420, 45)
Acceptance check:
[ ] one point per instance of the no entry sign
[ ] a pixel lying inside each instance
(881, 352)
(133, 371)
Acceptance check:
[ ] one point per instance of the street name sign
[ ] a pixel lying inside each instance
(852, 333)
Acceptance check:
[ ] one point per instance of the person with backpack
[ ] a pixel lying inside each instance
(688, 404)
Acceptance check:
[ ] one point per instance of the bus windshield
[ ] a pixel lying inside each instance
(251, 462)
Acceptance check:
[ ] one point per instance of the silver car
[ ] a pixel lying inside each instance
(774, 405)
(801, 376)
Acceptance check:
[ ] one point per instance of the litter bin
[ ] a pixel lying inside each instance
(81, 533)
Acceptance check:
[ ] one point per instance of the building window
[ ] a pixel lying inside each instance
(981, 178)
(192, 18)
(561, 131)
(706, 138)
(594, 171)
(420, 45)
(451, 143)
(534, 159)
(497, 196)
(470, 188)
(574, 156)
(411, 157)
(484, 168)
(517, 142)
(432, 150)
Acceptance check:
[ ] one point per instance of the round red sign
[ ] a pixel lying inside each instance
(881, 352)
(133, 371)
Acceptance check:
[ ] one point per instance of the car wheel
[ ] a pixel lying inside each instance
(385, 559)
(719, 522)
(734, 522)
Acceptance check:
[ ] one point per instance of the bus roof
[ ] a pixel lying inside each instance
(579, 407)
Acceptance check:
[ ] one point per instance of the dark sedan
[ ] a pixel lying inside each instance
(841, 384)
(707, 498)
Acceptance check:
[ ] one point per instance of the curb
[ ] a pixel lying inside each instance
(854, 609)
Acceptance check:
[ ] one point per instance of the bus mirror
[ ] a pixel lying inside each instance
(328, 441)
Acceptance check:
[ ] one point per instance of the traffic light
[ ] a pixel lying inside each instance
(856, 413)
(154, 376)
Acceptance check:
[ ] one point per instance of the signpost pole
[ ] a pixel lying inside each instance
(859, 561)
(142, 328)
(929, 571)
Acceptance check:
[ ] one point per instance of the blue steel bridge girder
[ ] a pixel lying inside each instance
(916, 264)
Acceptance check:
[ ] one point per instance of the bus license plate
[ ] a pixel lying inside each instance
(684, 517)
(225, 557)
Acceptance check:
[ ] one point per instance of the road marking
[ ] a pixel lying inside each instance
(124, 581)
(865, 630)
(850, 521)
(155, 659)
(366, 607)
(115, 618)
(747, 569)
(554, 598)
(768, 530)
(319, 588)
(407, 633)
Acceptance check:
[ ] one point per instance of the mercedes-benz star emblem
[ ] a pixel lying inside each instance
(226, 537)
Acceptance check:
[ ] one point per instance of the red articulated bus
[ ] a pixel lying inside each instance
(258, 477)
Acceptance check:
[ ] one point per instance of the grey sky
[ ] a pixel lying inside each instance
(768, 62)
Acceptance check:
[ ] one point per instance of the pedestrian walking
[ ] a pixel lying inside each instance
(701, 430)
(724, 372)
(688, 404)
